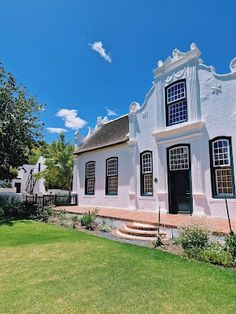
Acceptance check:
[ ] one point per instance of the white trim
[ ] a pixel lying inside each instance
(111, 196)
(88, 196)
(179, 131)
(170, 64)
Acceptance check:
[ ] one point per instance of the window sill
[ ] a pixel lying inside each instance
(146, 197)
(89, 196)
(111, 196)
(222, 200)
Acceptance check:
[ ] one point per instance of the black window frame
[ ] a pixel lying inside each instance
(142, 174)
(213, 168)
(167, 105)
(114, 176)
(87, 178)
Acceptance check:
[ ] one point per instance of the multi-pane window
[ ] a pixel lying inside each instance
(112, 176)
(176, 103)
(222, 167)
(221, 155)
(176, 92)
(90, 178)
(146, 174)
(179, 158)
(224, 184)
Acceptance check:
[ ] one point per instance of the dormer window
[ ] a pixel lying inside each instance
(176, 103)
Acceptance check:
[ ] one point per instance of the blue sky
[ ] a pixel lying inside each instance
(46, 44)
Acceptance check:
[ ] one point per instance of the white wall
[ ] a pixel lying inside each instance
(39, 187)
(124, 174)
(22, 176)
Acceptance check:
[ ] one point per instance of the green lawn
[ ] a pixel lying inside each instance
(50, 269)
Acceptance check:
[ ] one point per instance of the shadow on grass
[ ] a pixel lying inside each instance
(8, 221)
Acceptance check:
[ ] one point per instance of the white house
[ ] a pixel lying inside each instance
(26, 183)
(176, 151)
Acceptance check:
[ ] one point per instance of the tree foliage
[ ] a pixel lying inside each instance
(59, 163)
(20, 126)
(34, 153)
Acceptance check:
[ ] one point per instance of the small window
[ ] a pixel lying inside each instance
(176, 103)
(222, 168)
(112, 176)
(146, 174)
(90, 178)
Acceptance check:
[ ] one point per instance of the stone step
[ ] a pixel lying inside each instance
(141, 226)
(137, 232)
(117, 233)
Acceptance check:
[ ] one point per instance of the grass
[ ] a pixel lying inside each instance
(51, 269)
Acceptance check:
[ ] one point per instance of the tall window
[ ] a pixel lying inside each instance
(146, 173)
(176, 103)
(222, 167)
(90, 178)
(112, 176)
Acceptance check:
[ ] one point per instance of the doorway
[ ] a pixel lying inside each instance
(179, 179)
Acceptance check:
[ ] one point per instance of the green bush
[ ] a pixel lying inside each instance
(230, 244)
(158, 242)
(62, 216)
(88, 219)
(75, 220)
(104, 226)
(45, 213)
(2, 213)
(194, 253)
(216, 254)
(11, 208)
(193, 238)
(7, 184)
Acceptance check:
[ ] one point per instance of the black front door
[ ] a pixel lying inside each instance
(179, 179)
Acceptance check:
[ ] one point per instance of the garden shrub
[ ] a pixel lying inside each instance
(44, 213)
(193, 238)
(88, 219)
(7, 184)
(230, 244)
(12, 208)
(75, 220)
(62, 216)
(104, 226)
(216, 254)
(1, 212)
(158, 242)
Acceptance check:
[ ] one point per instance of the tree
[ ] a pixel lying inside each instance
(20, 126)
(38, 150)
(59, 163)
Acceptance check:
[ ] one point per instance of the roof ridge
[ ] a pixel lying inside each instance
(124, 115)
(114, 132)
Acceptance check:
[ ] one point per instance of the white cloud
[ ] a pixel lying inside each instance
(56, 130)
(72, 121)
(97, 46)
(111, 112)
